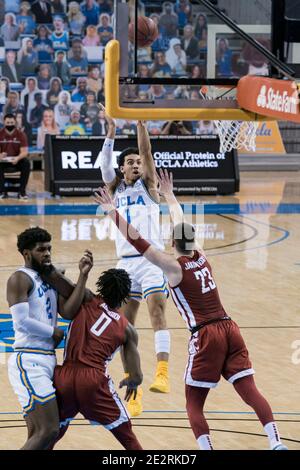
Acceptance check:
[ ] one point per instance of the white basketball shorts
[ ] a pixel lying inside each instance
(146, 278)
(31, 377)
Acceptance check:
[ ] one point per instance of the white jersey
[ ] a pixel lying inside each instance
(136, 206)
(42, 301)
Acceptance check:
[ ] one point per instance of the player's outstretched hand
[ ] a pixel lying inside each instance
(111, 122)
(104, 199)
(86, 263)
(131, 390)
(165, 181)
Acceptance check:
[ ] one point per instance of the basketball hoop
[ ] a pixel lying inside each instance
(232, 134)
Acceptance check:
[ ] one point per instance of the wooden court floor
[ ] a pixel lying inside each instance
(252, 240)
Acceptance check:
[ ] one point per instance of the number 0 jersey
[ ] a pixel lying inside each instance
(136, 205)
(94, 335)
(196, 296)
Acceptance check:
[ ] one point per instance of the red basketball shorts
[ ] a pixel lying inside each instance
(214, 350)
(90, 392)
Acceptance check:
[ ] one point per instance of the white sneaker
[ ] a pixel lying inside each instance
(280, 447)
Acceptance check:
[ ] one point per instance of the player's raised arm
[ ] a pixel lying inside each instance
(106, 164)
(167, 263)
(165, 181)
(132, 363)
(149, 170)
(68, 308)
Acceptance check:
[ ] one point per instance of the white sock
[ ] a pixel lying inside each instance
(162, 341)
(204, 442)
(273, 434)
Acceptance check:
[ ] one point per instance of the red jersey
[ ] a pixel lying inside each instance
(196, 296)
(95, 334)
(11, 142)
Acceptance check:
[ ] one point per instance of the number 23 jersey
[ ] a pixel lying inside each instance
(196, 296)
(94, 335)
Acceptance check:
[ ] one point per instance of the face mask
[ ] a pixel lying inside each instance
(9, 128)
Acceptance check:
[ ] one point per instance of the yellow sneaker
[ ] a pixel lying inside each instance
(135, 407)
(161, 382)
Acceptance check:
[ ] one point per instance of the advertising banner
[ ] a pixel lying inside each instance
(72, 164)
(268, 140)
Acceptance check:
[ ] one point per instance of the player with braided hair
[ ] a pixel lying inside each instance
(82, 383)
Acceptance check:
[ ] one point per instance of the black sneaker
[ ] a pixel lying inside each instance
(23, 196)
(3, 195)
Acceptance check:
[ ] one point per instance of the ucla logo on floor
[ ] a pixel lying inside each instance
(7, 332)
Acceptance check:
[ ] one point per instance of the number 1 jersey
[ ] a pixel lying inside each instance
(196, 296)
(95, 335)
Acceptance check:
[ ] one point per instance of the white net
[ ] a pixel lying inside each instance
(232, 134)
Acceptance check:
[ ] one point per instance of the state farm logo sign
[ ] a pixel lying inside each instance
(276, 100)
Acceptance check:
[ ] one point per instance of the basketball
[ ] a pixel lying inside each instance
(147, 31)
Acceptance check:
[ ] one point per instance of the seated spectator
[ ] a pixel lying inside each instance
(94, 80)
(157, 92)
(183, 9)
(54, 91)
(206, 128)
(257, 63)
(22, 125)
(61, 68)
(105, 6)
(77, 59)
(28, 94)
(10, 68)
(201, 27)
(168, 21)
(59, 37)
(80, 92)
(44, 76)
(189, 43)
(143, 72)
(144, 54)
(128, 128)
(74, 127)
(27, 58)
(10, 30)
(63, 109)
(154, 127)
(36, 114)
(176, 57)
(12, 6)
(161, 43)
(91, 11)
(197, 72)
(4, 89)
(195, 95)
(42, 11)
(160, 67)
(43, 45)
(181, 93)
(176, 128)
(100, 126)
(48, 126)
(58, 7)
(76, 19)
(91, 38)
(105, 30)
(224, 58)
(13, 105)
(13, 143)
(90, 109)
(25, 20)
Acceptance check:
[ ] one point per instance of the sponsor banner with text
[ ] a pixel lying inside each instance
(269, 97)
(268, 140)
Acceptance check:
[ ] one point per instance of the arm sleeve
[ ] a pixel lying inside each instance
(22, 322)
(107, 169)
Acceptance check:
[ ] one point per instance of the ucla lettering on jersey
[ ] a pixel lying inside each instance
(42, 301)
(137, 206)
